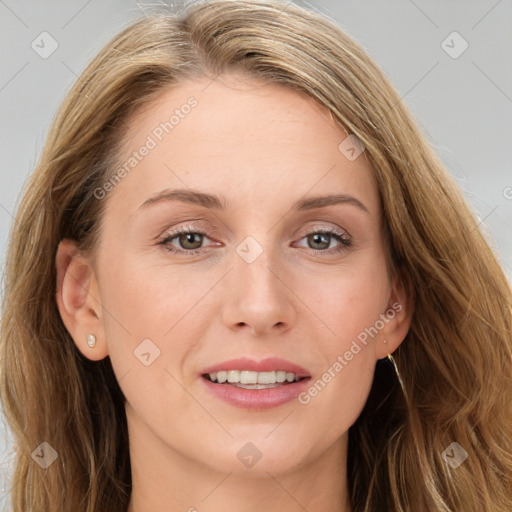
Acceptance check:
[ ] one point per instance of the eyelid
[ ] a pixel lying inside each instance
(330, 227)
(341, 235)
(199, 229)
(167, 236)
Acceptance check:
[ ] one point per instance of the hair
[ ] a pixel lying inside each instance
(455, 362)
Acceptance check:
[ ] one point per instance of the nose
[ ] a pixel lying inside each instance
(258, 296)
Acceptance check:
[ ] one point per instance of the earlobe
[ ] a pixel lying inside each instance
(78, 301)
(399, 313)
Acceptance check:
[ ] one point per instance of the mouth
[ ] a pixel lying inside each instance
(247, 379)
(251, 384)
(248, 391)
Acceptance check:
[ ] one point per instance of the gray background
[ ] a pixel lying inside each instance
(463, 102)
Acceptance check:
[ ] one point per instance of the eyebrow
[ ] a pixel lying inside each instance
(219, 203)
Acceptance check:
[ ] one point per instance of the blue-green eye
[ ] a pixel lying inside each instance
(323, 239)
(186, 237)
(190, 241)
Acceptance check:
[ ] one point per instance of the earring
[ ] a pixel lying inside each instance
(91, 340)
(391, 358)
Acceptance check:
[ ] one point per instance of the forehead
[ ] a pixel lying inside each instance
(242, 139)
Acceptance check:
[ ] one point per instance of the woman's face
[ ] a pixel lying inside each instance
(274, 275)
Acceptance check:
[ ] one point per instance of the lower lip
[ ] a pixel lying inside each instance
(257, 398)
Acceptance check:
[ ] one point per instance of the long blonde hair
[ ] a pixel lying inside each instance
(456, 361)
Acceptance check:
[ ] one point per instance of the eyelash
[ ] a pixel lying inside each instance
(340, 236)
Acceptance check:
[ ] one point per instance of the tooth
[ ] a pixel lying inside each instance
(233, 376)
(257, 386)
(267, 377)
(250, 377)
(280, 376)
(247, 377)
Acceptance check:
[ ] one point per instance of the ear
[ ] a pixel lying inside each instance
(397, 317)
(78, 300)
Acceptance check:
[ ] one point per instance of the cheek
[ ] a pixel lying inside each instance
(158, 310)
(148, 329)
(350, 306)
(350, 300)
(148, 299)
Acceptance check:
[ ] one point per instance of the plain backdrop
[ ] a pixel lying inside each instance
(449, 60)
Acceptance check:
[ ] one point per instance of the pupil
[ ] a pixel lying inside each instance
(317, 239)
(189, 237)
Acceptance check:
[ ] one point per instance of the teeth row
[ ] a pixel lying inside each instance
(248, 377)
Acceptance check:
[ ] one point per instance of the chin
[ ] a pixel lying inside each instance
(259, 458)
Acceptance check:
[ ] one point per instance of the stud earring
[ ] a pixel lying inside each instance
(91, 340)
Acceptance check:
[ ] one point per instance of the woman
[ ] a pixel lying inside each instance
(233, 225)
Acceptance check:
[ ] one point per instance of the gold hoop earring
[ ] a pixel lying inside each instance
(392, 359)
(91, 340)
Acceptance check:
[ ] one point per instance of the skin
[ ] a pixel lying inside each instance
(262, 147)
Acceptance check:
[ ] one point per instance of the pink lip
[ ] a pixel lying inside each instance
(257, 398)
(266, 365)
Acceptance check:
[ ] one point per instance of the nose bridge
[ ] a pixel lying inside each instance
(257, 294)
(255, 268)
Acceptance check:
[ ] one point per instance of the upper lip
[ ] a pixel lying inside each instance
(265, 365)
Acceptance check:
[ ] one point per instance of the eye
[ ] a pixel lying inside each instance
(188, 238)
(321, 239)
